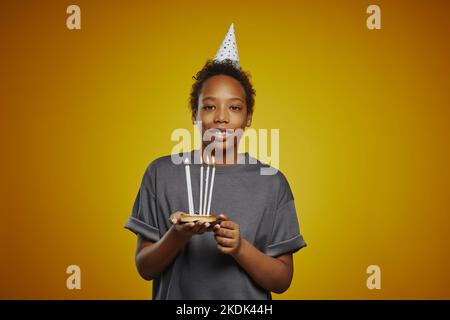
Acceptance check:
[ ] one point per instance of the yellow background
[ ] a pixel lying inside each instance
(364, 126)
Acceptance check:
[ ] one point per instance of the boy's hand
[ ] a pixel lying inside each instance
(190, 228)
(227, 235)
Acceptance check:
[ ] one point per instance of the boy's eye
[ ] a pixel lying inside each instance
(235, 108)
(208, 107)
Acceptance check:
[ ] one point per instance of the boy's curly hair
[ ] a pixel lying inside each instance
(225, 67)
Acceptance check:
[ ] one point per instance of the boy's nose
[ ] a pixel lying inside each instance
(221, 115)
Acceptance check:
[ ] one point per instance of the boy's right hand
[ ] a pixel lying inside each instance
(189, 228)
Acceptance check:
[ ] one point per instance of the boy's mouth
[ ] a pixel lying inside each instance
(219, 134)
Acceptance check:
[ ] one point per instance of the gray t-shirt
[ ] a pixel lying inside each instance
(263, 206)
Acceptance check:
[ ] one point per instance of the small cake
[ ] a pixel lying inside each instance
(197, 217)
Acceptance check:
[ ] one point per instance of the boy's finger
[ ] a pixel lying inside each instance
(228, 225)
(175, 217)
(223, 217)
(227, 233)
(198, 226)
(204, 228)
(225, 242)
(188, 226)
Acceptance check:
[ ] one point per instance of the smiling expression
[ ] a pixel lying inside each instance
(222, 109)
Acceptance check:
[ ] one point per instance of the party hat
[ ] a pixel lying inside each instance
(228, 48)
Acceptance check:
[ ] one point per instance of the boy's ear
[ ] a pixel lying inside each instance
(194, 116)
(249, 120)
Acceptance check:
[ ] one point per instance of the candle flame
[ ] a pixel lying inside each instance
(186, 161)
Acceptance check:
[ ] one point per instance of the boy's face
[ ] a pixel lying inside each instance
(222, 106)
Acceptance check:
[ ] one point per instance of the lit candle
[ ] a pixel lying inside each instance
(189, 186)
(200, 207)
(212, 185)
(206, 187)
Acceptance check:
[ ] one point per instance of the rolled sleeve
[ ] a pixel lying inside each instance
(290, 245)
(145, 230)
(286, 236)
(144, 219)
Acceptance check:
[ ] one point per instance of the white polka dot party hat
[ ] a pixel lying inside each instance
(228, 48)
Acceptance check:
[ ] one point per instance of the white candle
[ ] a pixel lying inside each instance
(212, 185)
(189, 186)
(206, 189)
(201, 187)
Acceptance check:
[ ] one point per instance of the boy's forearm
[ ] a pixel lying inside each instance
(270, 273)
(153, 259)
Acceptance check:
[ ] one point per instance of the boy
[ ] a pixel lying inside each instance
(248, 254)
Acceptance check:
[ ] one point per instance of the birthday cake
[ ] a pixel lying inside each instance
(197, 217)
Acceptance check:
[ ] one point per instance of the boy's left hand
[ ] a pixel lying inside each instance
(227, 235)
